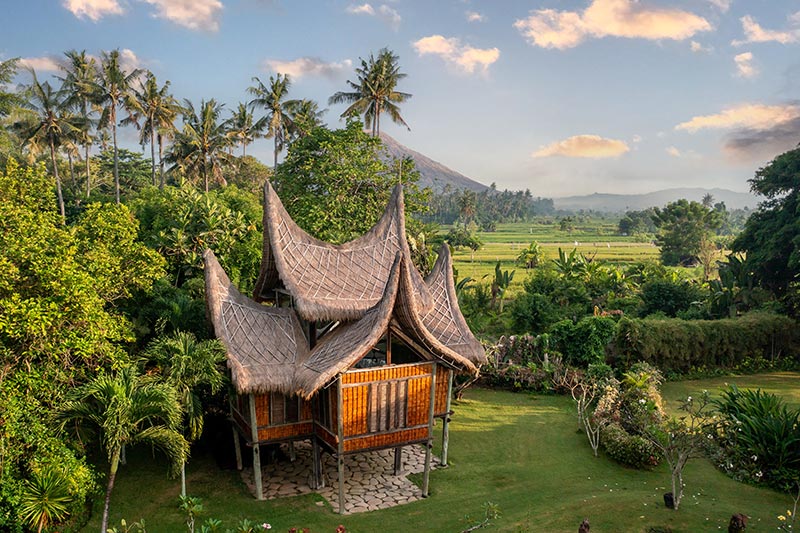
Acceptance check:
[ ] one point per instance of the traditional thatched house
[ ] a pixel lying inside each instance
(345, 345)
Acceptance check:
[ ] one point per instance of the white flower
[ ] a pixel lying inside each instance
(266, 526)
(642, 401)
(754, 457)
(689, 399)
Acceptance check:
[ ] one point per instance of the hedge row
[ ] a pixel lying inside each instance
(677, 345)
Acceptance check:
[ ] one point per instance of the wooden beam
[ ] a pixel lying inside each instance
(429, 444)
(256, 449)
(340, 443)
(398, 460)
(446, 422)
(237, 445)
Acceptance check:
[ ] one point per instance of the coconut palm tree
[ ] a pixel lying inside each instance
(126, 409)
(190, 366)
(80, 76)
(374, 92)
(199, 148)
(243, 128)
(273, 99)
(49, 125)
(306, 116)
(109, 90)
(150, 108)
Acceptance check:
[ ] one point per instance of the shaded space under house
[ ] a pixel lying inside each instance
(343, 345)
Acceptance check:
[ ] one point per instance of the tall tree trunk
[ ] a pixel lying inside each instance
(153, 152)
(183, 479)
(112, 474)
(71, 169)
(161, 159)
(58, 182)
(116, 157)
(275, 163)
(88, 171)
(205, 175)
(244, 149)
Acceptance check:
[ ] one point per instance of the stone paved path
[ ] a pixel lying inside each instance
(369, 480)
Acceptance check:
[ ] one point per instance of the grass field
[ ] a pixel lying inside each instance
(596, 240)
(519, 451)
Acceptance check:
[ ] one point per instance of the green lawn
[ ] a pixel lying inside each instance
(519, 451)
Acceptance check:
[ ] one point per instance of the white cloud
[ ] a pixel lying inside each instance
(387, 14)
(463, 56)
(129, 61)
(674, 152)
(40, 64)
(93, 9)
(549, 28)
(588, 146)
(754, 33)
(474, 16)
(308, 66)
(192, 14)
(722, 5)
(744, 65)
(699, 48)
(749, 116)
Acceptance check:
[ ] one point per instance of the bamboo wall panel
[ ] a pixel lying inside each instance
(419, 401)
(305, 410)
(386, 373)
(262, 409)
(386, 440)
(442, 378)
(354, 404)
(302, 429)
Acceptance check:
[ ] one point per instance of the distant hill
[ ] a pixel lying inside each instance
(432, 173)
(636, 202)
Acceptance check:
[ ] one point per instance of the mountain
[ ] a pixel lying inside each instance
(432, 173)
(636, 202)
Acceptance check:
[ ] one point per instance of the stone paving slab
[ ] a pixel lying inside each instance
(369, 480)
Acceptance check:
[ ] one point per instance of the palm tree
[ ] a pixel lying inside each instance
(156, 108)
(200, 147)
(375, 93)
(243, 128)
(53, 125)
(272, 98)
(109, 91)
(127, 409)
(306, 116)
(80, 76)
(188, 365)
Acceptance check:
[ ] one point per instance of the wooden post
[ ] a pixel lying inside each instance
(340, 449)
(429, 444)
(398, 460)
(237, 445)
(446, 423)
(256, 449)
(292, 454)
(316, 460)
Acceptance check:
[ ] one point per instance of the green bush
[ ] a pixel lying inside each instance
(585, 342)
(628, 449)
(759, 437)
(669, 297)
(678, 346)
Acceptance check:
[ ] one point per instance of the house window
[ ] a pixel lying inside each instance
(283, 409)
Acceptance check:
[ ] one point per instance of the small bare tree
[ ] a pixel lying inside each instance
(585, 390)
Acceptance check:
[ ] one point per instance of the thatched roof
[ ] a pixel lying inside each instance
(267, 349)
(327, 281)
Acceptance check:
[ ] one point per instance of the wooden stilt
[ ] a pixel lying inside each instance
(256, 449)
(428, 445)
(398, 460)
(340, 431)
(446, 423)
(292, 454)
(316, 460)
(237, 447)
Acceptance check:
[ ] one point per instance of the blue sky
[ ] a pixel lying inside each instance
(558, 96)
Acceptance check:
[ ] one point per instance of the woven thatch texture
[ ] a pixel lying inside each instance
(264, 344)
(333, 282)
(347, 344)
(444, 320)
(409, 314)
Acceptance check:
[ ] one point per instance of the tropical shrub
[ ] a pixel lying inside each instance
(632, 450)
(669, 297)
(758, 437)
(583, 343)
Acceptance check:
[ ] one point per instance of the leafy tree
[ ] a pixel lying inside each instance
(200, 148)
(134, 170)
(250, 174)
(109, 90)
(151, 108)
(80, 73)
(126, 409)
(273, 99)
(50, 126)
(637, 222)
(306, 115)
(771, 237)
(669, 297)
(8, 100)
(682, 227)
(243, 128)
(532, 256)
(190, 366)
(374, 92)
(335, 183)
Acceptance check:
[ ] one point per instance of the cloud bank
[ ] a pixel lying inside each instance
(387, 14)
(587, 146)
(192, 14)
(308, 66)
(462, 56)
